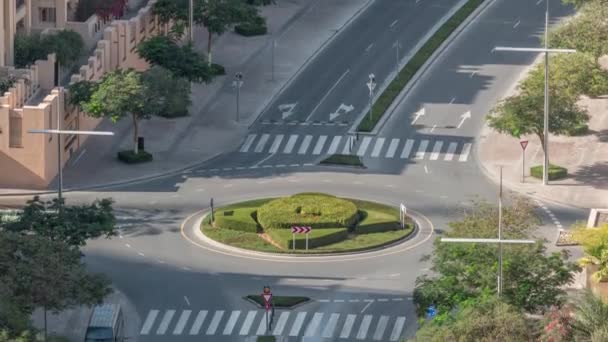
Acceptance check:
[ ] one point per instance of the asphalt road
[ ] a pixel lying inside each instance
(181, 288)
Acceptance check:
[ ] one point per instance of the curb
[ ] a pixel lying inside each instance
(427, 64)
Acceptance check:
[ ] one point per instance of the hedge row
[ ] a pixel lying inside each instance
(396, 86)
(255, 27)
(555, 172)
(243, 221)
(315, 210)
(130, 157)
(316, 238)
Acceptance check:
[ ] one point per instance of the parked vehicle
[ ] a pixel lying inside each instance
(106, 324)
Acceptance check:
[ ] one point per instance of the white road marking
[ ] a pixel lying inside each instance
(215, 322)
(313, 326)
(319, 146)
(305, 144)
(164, 324)
(353, 301)
(324, 300)
(369, 47)
(348, 326)
(327, 94)
(248, 321)
(248, 142)
(278, 329)
(362, 333)
(333, 147)
(517, 24)
(378, 147)
(384, 300)
(121, 237)
(349, 141)
(394, 23)
(187, 301)
(297, 324)
(276, 143)
(79, 156)
(451, 149)
(363, 147)
(397, 299)
(422, 149)
(370, 302)
(181, 323)
(464, 155)
(398, 328)
(426, 169)
(394, 274)
(392, 148)
(407, 149)
(145, 329)
(382, 323)
(263, 160)
(338, 300)
(433, 128)
(127, 245)
(473, 74)
(436, 150)
(308, 164)
(331, 325)
(539, 2)
(290, 143)
(234, 316)
(261, 143)
(452, 100)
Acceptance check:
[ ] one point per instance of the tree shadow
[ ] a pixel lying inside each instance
(595, 175)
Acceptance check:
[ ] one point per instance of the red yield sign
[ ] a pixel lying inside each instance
(300, 230)
(524, 144)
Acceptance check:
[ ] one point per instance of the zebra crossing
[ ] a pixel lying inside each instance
(433, 149)
(286, 323)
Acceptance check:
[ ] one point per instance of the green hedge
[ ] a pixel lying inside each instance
(396, 86)
(217, 69)
(315, 210)
(316, 238)
(241, 219)
(255, 27)
(343, 159)
(376, 222)
(555, 172)
(130, 157)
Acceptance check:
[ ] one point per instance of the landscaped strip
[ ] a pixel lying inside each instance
(280, 301)
(343, 159)
(409, 70)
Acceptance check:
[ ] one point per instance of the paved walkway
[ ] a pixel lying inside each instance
(300, 29)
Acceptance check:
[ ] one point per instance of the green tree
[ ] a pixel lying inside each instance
(66, 44)
(170, 95)
(586, 32)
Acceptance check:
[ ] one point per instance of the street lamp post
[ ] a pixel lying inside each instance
(191, 21)
(237, 83)
(371, 85)
(546, 51)
(396, 45)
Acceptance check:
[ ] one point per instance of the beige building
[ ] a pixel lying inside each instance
(35, 102)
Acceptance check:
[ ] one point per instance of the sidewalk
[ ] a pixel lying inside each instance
(300, 28)
(585, 157)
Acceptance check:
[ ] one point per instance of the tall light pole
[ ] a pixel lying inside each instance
(396, 45)
(191, 21)
(237, 83)
(499, 241)
(371, 85)
(546, 51)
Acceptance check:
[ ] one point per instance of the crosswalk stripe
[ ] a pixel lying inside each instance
(297, 325)
(248, 321)
(164, 323)
(305, 144)
(181, 323)
(392, 148)
(422, 149)
(378, 147)
(234, 316)
(331, 325)
(248, 142)
(261, 143)
(382, 322)
(319, 146)
(364, 146)
(407, 149)
(398, 328)
(278, 329)
(464, 155)
(215, 321)
(450, 153)
(348, 326)
(145, 329)
(313, 326)
(263, 325)
(349, 142)
(198, 322)
(276, 143)
(290, 143)
(333, 147)
(367, 320)
(436, 150)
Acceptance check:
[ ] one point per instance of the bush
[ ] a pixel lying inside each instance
(130, 157)
(317, 211)
(241, 220)
(255, 27)
(555, 172)
(316, 238)
(578, 130)
(217, 69)
(343, 159)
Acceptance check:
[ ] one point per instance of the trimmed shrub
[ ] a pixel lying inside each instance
(555, 172)
(241, 220)
(316, 238)
(372, 221)
(217, 69)
(343, 159)
(315, 210)
(130, 157)
(255, 27)
(578, 130)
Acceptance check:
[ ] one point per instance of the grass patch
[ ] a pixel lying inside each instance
(130, 157)
(266, 339)
(360, 242)
(415, 63)
(316, 238)
(555, 172)
(343, 159)
(280, 301)
(238, 239)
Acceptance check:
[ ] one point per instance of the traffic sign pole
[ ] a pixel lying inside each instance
(294, 241)
(524, 144)
(306, 241)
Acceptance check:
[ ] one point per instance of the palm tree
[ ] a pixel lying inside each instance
(591, 318)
